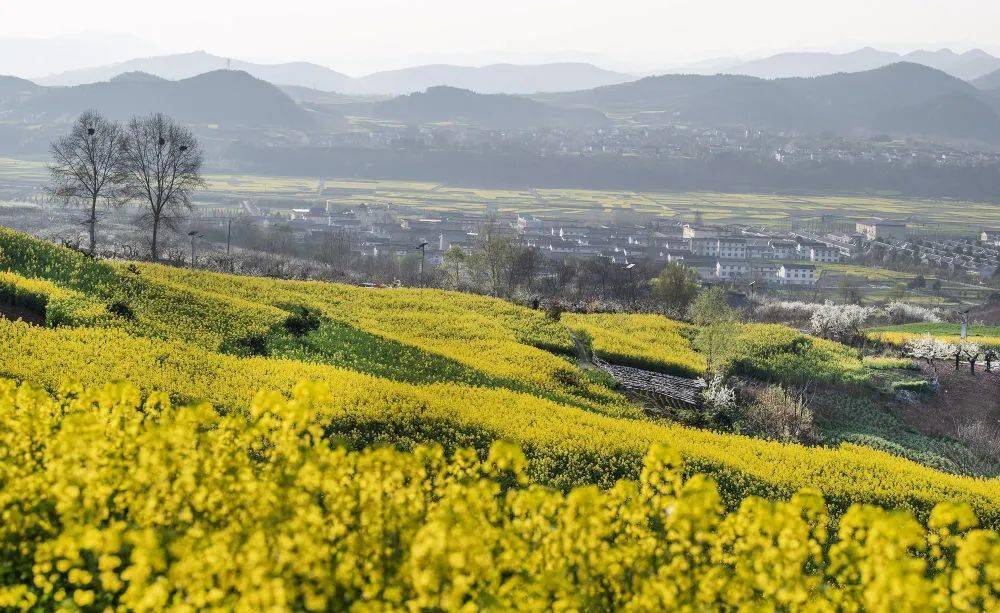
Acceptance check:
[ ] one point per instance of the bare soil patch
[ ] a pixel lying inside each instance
(988, 314)
(963, 398)
(16, 312)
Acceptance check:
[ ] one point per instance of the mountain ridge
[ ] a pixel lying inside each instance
(186, 65)
(967, 66)
(492, 78)
(443, 103)
(223, 97)
(842, 102)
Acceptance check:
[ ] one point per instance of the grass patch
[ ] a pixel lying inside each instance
(338, 344)
(861, 421)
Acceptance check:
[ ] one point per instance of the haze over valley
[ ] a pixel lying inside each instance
(920, 123)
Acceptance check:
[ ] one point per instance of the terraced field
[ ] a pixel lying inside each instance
(987, 336)
(172, 438)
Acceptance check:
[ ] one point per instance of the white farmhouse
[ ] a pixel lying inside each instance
(797, 274)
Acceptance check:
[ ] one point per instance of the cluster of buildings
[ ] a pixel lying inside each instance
(716, 253)
(734, 254)
(730, 254)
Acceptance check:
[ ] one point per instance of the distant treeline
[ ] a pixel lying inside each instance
(726, 172)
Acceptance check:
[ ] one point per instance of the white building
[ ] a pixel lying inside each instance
(704, 246)
(764, 270)
(782, 250)
(731, 269)
(824, 253)
(732, 248)
(797, 274)
(882, 229)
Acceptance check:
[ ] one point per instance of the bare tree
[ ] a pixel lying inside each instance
(163, 164)
(491, 254)
(87, 166)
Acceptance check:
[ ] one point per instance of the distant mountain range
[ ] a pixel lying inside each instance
(902, 98)
(497, 78)
(187, 65)
(523, 79)
(988, 82)
(499, 111)
(221, 97)
(493, 79)
(234, 98)
(967, 66)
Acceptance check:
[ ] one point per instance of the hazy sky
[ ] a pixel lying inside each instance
(356, 37)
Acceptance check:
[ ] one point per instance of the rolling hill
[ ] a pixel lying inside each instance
(14, 86)
(805, 64)
(492, 79)
(988, 82)
(449, 104)
(412, 365)
(247, 441)
(967, 66)
(223, 97)
(922, 100)
(187, 65)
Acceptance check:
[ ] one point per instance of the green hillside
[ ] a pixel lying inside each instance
(407, 366)
(180, 439)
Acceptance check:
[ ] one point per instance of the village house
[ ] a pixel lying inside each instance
(882, 229)
(824, 253)
(782, 249)
(732, 248)
(731, 269)
(797, 274)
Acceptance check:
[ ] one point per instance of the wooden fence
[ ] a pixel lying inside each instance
(662, 392)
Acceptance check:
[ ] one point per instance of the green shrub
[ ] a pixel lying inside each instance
(302, 321)
(921, 386)
(246, 346)
(890, 363)
(120, 308)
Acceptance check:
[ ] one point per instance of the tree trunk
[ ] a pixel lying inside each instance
(93, 227)
(154, 247)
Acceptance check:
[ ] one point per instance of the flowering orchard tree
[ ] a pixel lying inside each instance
(930, 350)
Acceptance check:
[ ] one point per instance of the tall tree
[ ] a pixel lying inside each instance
(87, 167)
(163, 162)
(491, 254)
(455, 260)
(719, 328)
(675, 288)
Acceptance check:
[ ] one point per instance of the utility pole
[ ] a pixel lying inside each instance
(193, 234)
(422, 247)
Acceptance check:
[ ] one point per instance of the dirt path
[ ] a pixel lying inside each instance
(963, 398)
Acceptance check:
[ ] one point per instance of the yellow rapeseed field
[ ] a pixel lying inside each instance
(644, 341)
(112, 502)
(566, 446)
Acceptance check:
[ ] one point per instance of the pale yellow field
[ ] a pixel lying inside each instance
(580, 204)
